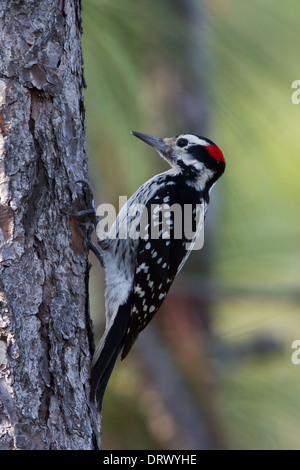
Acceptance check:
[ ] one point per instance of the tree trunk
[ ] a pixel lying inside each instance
(45, 333)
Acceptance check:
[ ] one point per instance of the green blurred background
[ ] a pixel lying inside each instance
(214, 369)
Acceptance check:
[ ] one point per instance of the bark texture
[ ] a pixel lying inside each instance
(45, 337)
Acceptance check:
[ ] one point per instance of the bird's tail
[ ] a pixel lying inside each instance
(107, 353)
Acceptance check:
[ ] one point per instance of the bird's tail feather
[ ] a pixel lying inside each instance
(111, 346)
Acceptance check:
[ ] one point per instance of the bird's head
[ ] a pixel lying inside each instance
(197, 158)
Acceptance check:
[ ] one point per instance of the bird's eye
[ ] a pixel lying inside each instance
(182, 142)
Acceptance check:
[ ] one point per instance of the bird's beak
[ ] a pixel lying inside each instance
(159, 144)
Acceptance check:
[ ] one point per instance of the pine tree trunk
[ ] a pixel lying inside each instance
(45, 334)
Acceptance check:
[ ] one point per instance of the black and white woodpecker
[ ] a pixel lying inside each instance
(140, 270)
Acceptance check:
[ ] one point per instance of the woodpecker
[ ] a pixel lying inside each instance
(140, 270)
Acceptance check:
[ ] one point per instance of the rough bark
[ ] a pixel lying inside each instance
(45, 337)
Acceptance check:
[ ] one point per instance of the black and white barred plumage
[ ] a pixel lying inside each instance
(140, 270)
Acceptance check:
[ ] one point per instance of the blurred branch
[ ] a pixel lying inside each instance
(200, 288)
(194, 430)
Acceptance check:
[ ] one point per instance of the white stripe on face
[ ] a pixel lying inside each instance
(193, 139)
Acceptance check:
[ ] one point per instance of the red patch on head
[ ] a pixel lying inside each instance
(216, 153)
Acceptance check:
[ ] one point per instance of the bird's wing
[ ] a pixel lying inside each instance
(159, 259)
